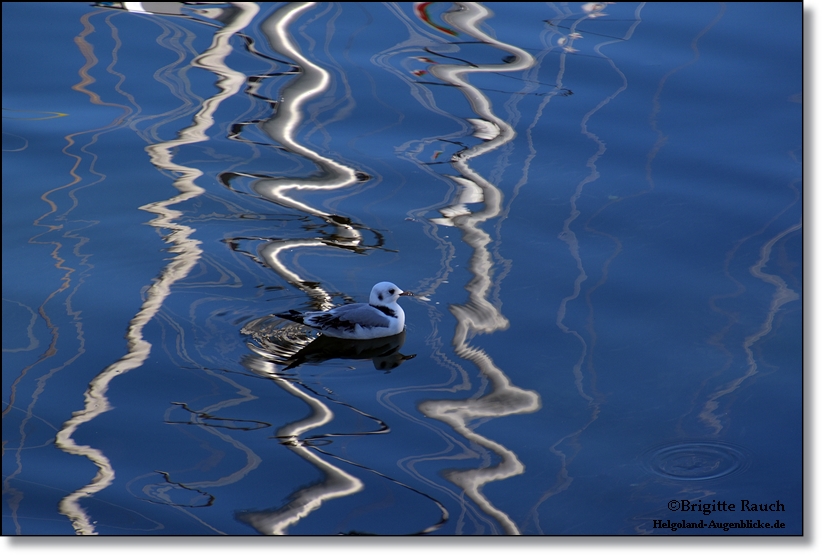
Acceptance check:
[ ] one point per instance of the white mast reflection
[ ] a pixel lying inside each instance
(282, 127)
(335, 483)
(479, 314)
(187, 252)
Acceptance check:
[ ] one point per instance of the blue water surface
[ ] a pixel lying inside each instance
(598, 207)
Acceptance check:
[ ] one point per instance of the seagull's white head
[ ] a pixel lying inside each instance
(386, 293)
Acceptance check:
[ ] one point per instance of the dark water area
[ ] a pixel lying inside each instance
(597, 206)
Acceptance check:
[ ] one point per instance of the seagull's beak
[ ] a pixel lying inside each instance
(406, 294)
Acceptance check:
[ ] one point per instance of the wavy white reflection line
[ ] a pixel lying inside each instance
(781, 295)
(270, 252)
(568, 235)
(33, 341)
(188, 254)
(96, 400)
(337, 483)
(283, 125)
(504, 400)
(483, 315)
(470, 193)
(717, 339)
(479, 314)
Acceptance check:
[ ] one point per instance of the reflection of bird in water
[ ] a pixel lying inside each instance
(384, 352)
(381, 316)
(289, 348)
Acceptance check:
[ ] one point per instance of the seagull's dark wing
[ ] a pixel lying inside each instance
(292, 315)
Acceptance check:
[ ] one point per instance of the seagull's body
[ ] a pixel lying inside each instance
(381, 316)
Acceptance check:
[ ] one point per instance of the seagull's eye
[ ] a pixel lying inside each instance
(391, 291)
(379, 296)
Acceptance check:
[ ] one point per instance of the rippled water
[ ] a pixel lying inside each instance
(598, 207)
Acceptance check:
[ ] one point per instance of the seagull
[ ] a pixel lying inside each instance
(381, 316)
